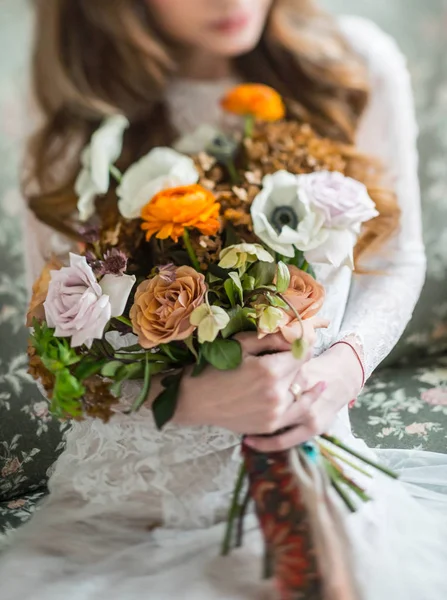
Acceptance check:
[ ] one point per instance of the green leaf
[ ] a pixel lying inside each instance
(248, 283)
(88, 367)
(116, 387)
(110, 368)
(282, 277)
(300, 348)
(174, 352)
(223, 354)
(276, 301)
(263, 273)
(200, 365)
(165, 404)
(298, 259)
(218, 271)
(311, 271)
(229, 289)
(128, 349)
(142, 397)
(237, 285)
(134, 370)
(189, 342)
(241, 319)
(66, 385)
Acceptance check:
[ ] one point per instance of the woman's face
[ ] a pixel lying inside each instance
(220, 27)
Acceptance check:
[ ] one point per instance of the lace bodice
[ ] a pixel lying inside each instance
(190, 472)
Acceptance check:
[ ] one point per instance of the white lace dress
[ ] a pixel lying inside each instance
(93, 538)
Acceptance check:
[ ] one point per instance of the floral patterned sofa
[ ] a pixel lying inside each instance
(405, 402)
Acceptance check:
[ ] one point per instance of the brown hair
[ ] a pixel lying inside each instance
(92, 60)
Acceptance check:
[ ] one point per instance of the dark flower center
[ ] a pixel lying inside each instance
(284, 216)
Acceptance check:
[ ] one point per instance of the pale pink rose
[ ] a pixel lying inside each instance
(16, 504)
(436, 396)
(40, 409)
(344, 205)
(79, 307)
(344, 202)
(11, 467)
(417, 428)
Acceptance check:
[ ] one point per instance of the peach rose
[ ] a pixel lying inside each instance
(40, 291)
(163, 305)
(304, 293)
(307, 297)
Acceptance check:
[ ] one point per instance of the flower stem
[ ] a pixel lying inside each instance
(305, 266)
(192, 255)
(339, 444)
(115, 173)
(249, 126)
(232, 171)
(234, 510)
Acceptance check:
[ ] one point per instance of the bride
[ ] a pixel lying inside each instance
(134, 513)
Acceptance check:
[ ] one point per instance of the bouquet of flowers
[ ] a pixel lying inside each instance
(180, 252)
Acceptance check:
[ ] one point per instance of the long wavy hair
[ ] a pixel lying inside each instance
(93, 59)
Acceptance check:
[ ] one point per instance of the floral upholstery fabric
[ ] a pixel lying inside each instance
(405, 403)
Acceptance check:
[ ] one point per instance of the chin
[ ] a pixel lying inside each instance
(235, 47)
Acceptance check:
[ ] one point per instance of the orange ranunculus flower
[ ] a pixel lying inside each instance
(163, 305)
(257, 100)
(172, 211)
(40, 291)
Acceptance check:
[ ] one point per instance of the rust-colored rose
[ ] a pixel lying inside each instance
(164, 303)
(304, 293)
(40, 291)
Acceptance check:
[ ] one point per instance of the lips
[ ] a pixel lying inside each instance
(233, 24)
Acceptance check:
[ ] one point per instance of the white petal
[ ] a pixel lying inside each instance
(118, 288)
(118, 341)
(198, 314)
(160, 169)
(105, 147)
(87, 192)
(337, 250)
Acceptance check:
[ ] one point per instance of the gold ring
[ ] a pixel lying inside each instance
(296, 390)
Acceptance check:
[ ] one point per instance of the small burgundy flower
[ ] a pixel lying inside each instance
(115, 262)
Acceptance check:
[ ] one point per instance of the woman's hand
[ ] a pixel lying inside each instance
(328, 382)
(252, 399)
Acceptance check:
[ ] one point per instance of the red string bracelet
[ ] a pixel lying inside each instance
(351, 404)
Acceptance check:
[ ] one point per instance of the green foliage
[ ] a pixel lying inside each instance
(282, 277)
(241, 319)
(165, 404)
(55, 353)
(263, 273)
(223, 354)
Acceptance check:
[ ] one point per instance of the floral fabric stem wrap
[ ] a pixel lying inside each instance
(302, 527)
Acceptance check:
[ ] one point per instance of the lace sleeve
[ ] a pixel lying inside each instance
(380, 306)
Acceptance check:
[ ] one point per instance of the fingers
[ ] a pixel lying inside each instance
(285, 441)
(299, 410)
(303, 414)
(254, 346)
